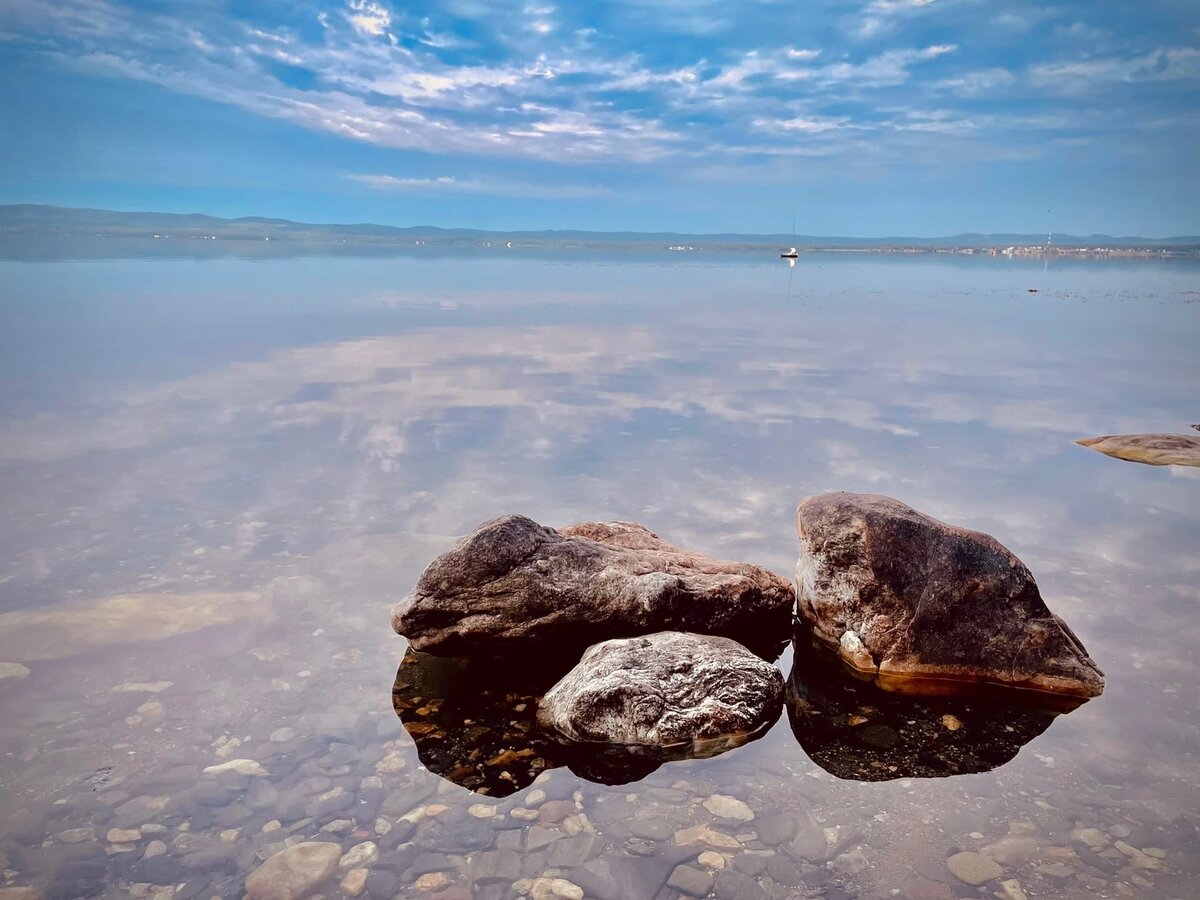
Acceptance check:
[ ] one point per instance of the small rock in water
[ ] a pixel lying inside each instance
(77, 835)
(283, 735)
(293, 873)
(691, 881)
(360, 855)
(1151, 449)
(240, 766)
(702, 834)
(554, 889)
(710, 859)
(431, 881)
(670, 688)
(141, 687)
(973, 868)
(13, 671)
(123, 835)
(725, 807)
(355, 882)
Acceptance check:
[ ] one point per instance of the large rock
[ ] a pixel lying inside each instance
(1151, 449)
(293, 873)
(514, 584)
(924, 607)
(665, 690)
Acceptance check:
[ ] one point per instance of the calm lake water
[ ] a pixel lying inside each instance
(218, 474)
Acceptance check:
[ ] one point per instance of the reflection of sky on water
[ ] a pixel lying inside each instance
(227, 424)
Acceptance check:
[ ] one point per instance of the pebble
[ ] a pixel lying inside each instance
(355, 882)
(710, 859)
(725, 807)
(1055, 870)
(360, 855)
(240, 766)
(702, 834)
(77, 835)
(851, 862)
(431, 881)
(691, 881)
(153, 849)
(123, 835)
(283, 735)
(535, 798)
(973, 868)
(481, 811)
(13, 671)
(550, 889)
(1011, 890)
(272, 826)
(293, 872)
(951, 723)
(151, 709)
(141, 687)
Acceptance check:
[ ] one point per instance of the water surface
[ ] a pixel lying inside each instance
(217, 475)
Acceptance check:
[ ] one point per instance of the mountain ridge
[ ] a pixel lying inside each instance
(28, 219)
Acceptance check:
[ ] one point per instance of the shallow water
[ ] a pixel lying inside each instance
(219, 473)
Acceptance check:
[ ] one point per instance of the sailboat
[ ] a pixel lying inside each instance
(791, 254)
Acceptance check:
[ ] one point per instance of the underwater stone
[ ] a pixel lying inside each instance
(923, 607)
(294, 872)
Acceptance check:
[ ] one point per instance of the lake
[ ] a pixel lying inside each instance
(219, 473)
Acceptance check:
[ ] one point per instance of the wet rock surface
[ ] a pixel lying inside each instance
(924, 607)
(514, 584)
(855, 731)
(665, 690)
(1151, 449)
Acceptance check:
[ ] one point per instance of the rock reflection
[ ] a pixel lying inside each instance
(474, 722)
(855, 731)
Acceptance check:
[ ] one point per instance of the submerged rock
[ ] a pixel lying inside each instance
(474, 723)
(856, 732)
(663, 690)
(513, 584)
(1151, 449)
(293, 873)
(923, 607)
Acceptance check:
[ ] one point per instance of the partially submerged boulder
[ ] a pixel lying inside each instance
(513, 584)
(666, 690)
(923, 607)
(1151, 449)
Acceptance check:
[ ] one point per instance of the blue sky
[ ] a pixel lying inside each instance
(875, 117)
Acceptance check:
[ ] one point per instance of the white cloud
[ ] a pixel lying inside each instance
(448, 183)
(805, 124)
(887, 68)
(879, 15)
(368, 17)
(983, 81)
(1162, 64)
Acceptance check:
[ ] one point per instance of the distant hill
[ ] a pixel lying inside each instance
(33, 220)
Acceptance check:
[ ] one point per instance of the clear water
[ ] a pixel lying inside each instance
(220, 473)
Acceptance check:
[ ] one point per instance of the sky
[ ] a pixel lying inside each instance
(857, 118)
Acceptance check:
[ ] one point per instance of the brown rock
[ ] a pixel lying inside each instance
(513, 583)
(1151, 449)
(293, 873)
(923, 607)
